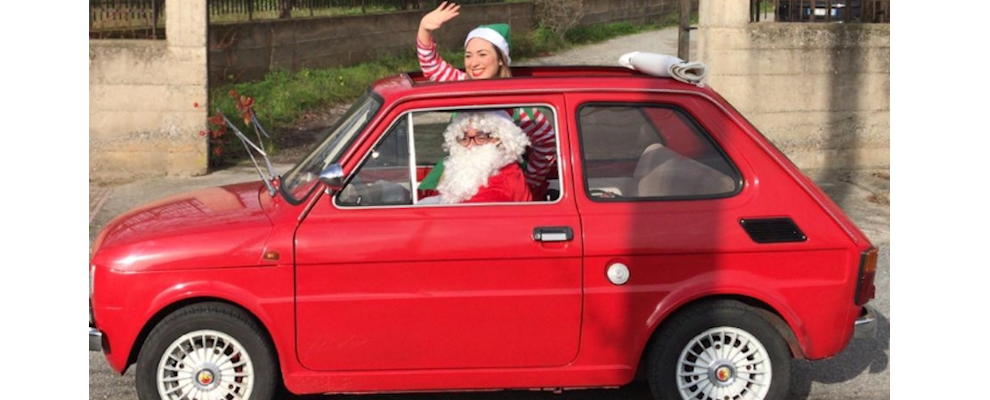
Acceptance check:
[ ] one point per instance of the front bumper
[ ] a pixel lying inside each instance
(95, 336)
(865, 326)
(95, 339)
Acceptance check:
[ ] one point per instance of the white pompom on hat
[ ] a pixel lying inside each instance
(496, 34)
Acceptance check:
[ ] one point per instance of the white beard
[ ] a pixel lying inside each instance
(467, 169)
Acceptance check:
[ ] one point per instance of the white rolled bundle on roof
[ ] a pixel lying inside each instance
(665, 66)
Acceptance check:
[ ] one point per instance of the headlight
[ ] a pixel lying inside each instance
(92, 272)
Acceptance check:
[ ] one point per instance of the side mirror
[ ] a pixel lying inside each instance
(333, 177)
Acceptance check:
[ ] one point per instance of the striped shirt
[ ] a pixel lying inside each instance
(543, 141)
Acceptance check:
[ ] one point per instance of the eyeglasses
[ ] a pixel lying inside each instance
(479, 138)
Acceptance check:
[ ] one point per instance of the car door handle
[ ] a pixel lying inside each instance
(553, 234)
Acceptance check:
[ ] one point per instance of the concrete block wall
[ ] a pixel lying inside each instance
(635, 11)
(141, 94)
(820, 92)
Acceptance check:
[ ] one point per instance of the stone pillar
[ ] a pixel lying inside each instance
(148, 100)
(718, 20)
(186, 33)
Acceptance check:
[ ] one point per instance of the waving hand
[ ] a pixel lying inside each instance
(435, 19)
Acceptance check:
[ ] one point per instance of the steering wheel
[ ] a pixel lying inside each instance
(359, 193)
(604, 194)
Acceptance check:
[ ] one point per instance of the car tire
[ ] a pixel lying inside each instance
(741, 355)
(207, 350)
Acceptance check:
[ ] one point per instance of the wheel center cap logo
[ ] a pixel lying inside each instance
(205, 377)
(723, 374)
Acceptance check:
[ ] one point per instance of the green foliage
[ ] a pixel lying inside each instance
(601, 32)
(559, 16)
(767, 7)
(284, 96)
(536, 43)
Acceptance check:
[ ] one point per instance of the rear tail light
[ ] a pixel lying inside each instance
(867, 271)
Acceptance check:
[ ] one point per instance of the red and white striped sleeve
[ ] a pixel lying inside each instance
(543, 143)
(434, 67)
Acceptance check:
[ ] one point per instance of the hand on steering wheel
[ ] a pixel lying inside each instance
(603, 194)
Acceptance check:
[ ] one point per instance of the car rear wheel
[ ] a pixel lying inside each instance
(719, 350)
(206, 351)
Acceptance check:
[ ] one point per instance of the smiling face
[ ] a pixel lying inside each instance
(481, 60)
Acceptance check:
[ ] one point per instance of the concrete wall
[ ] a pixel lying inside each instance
(635, 11)
(246, 51)
(141, 94)
(820, 92)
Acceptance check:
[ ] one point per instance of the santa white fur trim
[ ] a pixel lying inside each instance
(512, 140)
(467, 169)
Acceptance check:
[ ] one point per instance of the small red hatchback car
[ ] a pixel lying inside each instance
(675, 243)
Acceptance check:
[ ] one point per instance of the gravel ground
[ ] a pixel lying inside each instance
(663, 41)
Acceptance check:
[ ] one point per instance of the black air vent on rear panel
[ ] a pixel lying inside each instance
(772, 230)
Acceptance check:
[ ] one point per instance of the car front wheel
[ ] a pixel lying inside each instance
(206, 351)
(719, 350)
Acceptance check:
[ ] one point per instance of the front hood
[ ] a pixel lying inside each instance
(210, 228)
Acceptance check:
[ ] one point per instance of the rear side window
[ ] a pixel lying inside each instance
(650, 152)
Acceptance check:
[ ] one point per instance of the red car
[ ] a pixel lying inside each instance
(675, 243)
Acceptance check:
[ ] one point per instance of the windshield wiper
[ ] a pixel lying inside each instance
(248, 146)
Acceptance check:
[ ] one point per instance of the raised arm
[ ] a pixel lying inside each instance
(434, 67)
(543, 142)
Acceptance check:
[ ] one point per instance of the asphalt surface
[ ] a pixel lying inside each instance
(862, 371)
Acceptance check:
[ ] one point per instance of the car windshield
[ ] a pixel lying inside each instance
(298, 182)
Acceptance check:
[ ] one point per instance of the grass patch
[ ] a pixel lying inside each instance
(282, 96)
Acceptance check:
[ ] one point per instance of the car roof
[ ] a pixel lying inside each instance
(532, 79)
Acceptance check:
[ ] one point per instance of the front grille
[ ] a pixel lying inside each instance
(772, 230)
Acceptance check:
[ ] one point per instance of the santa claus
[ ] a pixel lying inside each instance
(485, 149)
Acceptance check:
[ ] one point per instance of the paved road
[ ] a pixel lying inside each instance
(862, 371)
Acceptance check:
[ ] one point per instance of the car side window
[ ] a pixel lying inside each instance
(402, 171)
(383, 178)
(650, 152)
(429, 127)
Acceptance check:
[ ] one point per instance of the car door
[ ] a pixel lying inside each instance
(386, 283)
(659, 203)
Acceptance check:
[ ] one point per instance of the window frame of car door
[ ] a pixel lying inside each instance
(407, 111)
(691, 120)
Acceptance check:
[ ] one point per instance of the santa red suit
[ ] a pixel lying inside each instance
(508, 184)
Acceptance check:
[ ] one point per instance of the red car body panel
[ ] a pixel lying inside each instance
(405, 298)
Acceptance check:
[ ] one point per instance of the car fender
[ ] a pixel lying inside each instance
(720, 285)
(204, 290)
